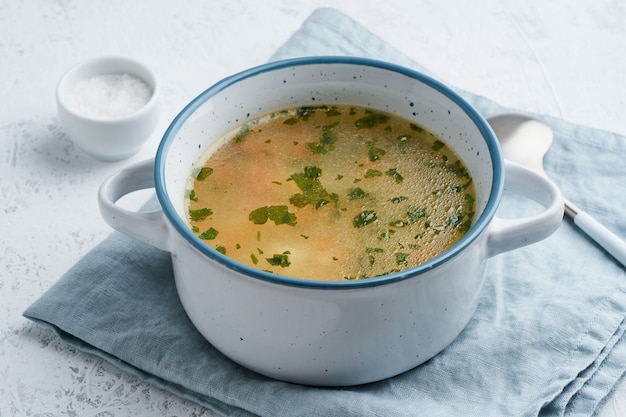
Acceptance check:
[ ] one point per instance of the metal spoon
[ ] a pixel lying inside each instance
(526, 140)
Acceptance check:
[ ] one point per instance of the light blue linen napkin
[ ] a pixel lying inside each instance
(545, 340)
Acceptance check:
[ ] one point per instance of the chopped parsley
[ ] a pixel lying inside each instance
(356, 193)
(437, 145)
(209, 234)
(306, 111)
(415, 213)
(456, 167)
(326, 142)
(313, 192)
(401, 258)
(203, 173)
(279, 259)
(397, 200)
(373, 152)
(328, 138)
(457, 221)
(200, 214)
(371, 120)
(278, 214)
(326, 128)
(192, 196)
(364, 218)
(242, 134)
(393, 173)
(333, 111)
(371, 173)
(317, 148)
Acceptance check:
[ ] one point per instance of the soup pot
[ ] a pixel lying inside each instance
(330, 333)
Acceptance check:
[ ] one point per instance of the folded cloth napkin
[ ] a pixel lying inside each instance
(545, 340)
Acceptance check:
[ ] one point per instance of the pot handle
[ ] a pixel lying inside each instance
(508, 234)
(147, 227)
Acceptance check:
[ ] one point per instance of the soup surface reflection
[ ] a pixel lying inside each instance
(330, 192)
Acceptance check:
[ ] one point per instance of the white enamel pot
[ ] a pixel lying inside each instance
(330, 333)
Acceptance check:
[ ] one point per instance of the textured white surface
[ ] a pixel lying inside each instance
(565, 58)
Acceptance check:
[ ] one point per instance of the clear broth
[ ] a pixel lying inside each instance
(331, 192)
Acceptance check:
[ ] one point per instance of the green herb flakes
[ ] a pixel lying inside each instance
(374, 154)
(279, 259)
(356, 193)
(333, 111)
(200, 214)
(278, 214)
(326, 142)
(372, 173)
(313, 192)
(464, 227)
(456, 167)
(317, 148)
(306, 111)
(456, 219)
(203, 173)
(326, 128)
(438, 145)
(209, 234)
(415, 213)
(371, 120)
(328, 138)
(364, 218)
(397, 200)
(401, 258)
(242, 134)
(393, 173)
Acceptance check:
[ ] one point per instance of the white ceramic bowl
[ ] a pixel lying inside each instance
(320, 332)
(109, 136)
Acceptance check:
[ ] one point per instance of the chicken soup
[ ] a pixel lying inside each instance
(330, 192)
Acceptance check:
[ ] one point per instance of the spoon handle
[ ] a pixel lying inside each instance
(594, 229)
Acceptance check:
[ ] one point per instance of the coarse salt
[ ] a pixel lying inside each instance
(109, 96)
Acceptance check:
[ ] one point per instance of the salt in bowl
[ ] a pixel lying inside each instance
(109, 106)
